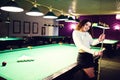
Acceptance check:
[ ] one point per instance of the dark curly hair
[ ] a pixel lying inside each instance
(82, 23)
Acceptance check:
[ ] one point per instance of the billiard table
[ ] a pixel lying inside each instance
(10, 41)
(110, 47)
(48, 62)
(109, 44)
(41, 40)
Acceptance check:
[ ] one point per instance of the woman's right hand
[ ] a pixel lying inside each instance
(101, 37)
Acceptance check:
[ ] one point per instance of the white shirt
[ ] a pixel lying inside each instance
(83, 41)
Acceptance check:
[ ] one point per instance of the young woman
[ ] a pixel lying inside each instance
(83, 41)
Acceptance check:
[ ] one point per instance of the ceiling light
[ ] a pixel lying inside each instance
(34, 12)
(11, 6)
(70, 19)
(62, 18)
(77, 20)
(50, 15)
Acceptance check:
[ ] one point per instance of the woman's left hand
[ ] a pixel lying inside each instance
(101, 37)
(99, 53)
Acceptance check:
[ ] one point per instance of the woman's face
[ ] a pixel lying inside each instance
(86, 27)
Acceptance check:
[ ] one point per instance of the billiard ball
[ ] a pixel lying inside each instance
(30, 47)
(4, 63)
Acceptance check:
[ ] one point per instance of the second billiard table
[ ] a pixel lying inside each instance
(6, 42)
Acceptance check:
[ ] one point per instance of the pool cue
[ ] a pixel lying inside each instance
(99, 65)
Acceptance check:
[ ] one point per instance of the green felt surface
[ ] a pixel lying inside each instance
(108, 41)
(9, 38)
(47, 59)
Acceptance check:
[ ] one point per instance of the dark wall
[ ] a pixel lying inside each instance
(108, 19)
(3, 26)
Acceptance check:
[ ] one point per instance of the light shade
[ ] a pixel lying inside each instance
(62, 18)
(34, 11)
(77, 20)
(50, 15)
(11, 6)
(70, 19)
(100, 26)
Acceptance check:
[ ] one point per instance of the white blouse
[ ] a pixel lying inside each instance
(83, 41)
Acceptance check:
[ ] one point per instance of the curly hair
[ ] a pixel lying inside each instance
(82, 23)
